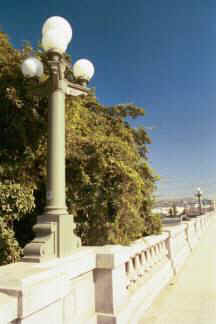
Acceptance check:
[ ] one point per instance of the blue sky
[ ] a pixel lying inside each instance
(160, 55)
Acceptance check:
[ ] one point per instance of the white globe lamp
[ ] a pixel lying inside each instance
(56, 34)
(54, 40)
(32, 67)
(83, 69)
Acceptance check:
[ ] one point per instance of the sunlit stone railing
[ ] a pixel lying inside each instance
(177, 245)
(61, 291)
(144, 256)
(98, 285)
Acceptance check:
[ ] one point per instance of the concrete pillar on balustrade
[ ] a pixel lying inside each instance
(177, 246)
(110, 282)
(213, 204)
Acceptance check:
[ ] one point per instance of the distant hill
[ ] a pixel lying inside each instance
(181, 202)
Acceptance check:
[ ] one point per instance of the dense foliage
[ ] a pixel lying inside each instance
(15, 202)
(109, 181)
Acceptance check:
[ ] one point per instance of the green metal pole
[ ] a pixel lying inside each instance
(55, 198)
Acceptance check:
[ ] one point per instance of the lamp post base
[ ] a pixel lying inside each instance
(55, 238)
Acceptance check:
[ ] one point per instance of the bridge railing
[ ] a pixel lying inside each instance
(98, 285)
(139, 272)
(144, 255)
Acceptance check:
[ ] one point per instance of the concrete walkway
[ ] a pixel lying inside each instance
(191, 297)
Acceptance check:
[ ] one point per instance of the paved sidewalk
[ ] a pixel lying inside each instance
(191, 297)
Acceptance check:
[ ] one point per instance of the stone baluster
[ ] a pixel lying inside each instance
(131, 273)
(142, 263)
(163, 249)
(154, 254)
(138, 265)
(151, 257)
(127, 270)
(148, 259)
(158, 252)
(135, 269)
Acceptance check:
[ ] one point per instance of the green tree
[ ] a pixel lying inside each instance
(109, 182)
(15, 202)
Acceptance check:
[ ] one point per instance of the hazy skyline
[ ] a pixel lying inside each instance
(160, 55)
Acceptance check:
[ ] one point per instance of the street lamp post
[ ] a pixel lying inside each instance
(54, 229)
(199, 195)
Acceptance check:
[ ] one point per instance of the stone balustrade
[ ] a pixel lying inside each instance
(112, 284)
(145, 254)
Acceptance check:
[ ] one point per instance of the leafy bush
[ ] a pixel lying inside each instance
(15, 202)
(109, 182)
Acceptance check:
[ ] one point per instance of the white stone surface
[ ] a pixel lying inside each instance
(83, 260)
(49, 315)
(110, 257)
(36, 287)
(103, 285)
(8, 308)
(191, 296)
